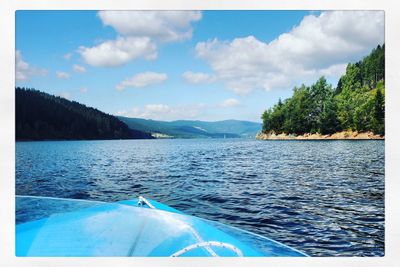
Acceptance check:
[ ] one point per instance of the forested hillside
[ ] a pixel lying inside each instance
(196, 128)
(40, 116)
(357, 103)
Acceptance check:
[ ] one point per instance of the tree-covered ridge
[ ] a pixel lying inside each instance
(41, 116)
(195, 128)
(357, 103)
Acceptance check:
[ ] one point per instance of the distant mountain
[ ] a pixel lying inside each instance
(195, 129)
(41, 116)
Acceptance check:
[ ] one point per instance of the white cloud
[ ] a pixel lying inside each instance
(67, 56)
(319, 45)
(118, 52)
(165, 26)
(142, 79)
(83, 90)
(139, 33)
(62, 75)
(23, 71)
(164, 112)
(78, 68)
(230, 102)
(198, 77)
(21, 67)
(65, 95)
(333, 71)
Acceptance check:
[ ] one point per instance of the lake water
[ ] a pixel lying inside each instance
(325, 198)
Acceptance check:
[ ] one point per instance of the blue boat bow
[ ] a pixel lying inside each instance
(138, 227)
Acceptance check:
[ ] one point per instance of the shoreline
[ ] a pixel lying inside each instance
(344, 135)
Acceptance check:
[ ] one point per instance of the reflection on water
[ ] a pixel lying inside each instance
(323, 197)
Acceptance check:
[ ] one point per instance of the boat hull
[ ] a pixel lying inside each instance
(127, 229)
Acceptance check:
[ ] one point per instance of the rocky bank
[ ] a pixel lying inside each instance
(344, 135)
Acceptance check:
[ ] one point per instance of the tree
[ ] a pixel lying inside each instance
(41, 116)
(357, 103)
(379, 113)
(266, 117)
(320, 92)
(329, 120)
(297, 111)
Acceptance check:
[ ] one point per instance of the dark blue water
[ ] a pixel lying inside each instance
(325, 198)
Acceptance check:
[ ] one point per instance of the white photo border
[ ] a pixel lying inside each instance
(7, 133)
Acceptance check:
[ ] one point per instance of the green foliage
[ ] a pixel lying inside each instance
(297, 111)
(378, 123)
(196, 129)
(365, 73)
(357, 103)
(40, 116)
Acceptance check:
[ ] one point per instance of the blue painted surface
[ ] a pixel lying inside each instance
(156, 204)
(123, 229)
(315, 196)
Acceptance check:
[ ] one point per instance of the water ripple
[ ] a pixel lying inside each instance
(325, 198)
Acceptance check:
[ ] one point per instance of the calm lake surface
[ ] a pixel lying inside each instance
(325, 198)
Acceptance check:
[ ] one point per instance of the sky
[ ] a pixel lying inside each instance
(195, 65)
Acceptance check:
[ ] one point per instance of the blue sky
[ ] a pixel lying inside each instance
(207, 65)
